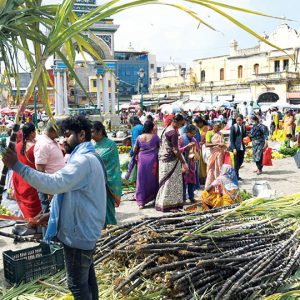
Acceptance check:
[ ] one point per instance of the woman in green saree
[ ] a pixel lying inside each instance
(108, 151)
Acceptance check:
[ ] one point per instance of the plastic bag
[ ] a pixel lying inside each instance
(204, 154)
(267, 157)
(227, 159)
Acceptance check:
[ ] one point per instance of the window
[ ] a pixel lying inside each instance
(286, 65)
(256, 69)
(240, 72)
(202, 75)
(151, 66)
(222, 74)
(94, 83)
(277, 66)
(109, 83)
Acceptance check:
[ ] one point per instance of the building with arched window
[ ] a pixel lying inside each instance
(222, 77)
(257, 73)
(202, 76)
(256, 69)
(240, 72)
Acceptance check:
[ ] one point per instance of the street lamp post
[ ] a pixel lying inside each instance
(141, 76)
(211, 85)
(117, 90)
(35, 98)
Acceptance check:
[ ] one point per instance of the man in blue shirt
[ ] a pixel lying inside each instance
(78, 208)
(137, 129)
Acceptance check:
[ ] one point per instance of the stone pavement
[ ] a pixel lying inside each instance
(283, 176)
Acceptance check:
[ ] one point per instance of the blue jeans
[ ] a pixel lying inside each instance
(191, 188)
(81, 275)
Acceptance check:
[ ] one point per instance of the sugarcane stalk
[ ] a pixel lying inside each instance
(133, 286)
(289, 268)
(171, 266)
(181, 274)
(263, 263)
(140, 268)
(259, 280)
(273, 284)
(18, 238)
(234, 277)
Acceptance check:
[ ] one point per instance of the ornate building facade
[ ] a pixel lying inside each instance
(260, 73)
(99, 81)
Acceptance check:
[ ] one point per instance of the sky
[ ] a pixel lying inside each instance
(174, 36)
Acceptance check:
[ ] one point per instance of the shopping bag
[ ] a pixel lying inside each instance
(297, 159)
(267, 157)
(227, 159)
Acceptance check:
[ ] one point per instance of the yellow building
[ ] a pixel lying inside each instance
(260, 73)
(93, 85)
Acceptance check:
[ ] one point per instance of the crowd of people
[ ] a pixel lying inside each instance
(191, 152)
(75, 185)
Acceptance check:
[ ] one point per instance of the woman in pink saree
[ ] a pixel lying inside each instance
(215, 143)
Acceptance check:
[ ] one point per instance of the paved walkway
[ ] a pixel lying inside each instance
(283, 177)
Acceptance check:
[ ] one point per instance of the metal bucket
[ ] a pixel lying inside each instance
(261, 187)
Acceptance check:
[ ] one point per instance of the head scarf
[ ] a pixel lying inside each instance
(228, 178)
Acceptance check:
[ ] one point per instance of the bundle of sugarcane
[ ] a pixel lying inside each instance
(243, 251)
(231, 253)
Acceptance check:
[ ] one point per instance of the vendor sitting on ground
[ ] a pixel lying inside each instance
(223, 191)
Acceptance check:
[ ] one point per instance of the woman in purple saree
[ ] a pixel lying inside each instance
(146, 151)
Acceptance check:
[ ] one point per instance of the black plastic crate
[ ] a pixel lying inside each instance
(31, 263)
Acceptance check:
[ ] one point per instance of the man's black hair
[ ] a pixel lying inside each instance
(190, 128)
(150, 118)
(199, 119)
(178, 118)
(134, 120)
(76, 124)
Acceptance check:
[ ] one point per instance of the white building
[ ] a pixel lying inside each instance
(260, 73)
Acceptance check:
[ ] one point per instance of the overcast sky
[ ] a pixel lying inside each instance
(172, 35)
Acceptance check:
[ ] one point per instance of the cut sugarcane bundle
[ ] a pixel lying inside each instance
(246, 251)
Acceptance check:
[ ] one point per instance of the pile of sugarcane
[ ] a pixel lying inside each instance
(232, 253)
(247, 251)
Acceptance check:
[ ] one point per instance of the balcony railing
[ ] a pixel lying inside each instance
(278, 76)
